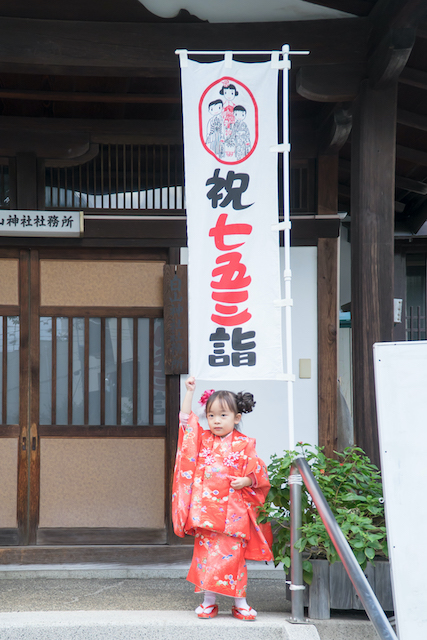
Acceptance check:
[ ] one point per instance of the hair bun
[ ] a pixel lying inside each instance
(245, 402)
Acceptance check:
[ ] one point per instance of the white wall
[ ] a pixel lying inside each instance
(268, 422)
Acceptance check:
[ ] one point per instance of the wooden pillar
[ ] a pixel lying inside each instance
(29, 182)
(372, 235)
(327, 306)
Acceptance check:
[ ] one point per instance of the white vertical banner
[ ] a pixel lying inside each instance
(231, 191)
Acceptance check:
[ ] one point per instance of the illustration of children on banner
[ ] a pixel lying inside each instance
(215, 129)
(240, 138)
(228, 121)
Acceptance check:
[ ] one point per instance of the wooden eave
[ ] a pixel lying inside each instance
(103, 75)
(66, 47)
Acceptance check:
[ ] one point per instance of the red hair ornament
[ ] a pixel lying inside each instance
(205, 396)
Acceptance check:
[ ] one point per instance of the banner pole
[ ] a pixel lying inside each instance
(287, 243)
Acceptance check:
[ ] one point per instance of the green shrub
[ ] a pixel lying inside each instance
(352, 486)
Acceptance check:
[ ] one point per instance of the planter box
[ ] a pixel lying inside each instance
(331, 588)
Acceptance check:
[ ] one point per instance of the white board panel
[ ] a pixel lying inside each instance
(401, 394)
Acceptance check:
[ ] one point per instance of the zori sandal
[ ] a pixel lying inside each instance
(243, 614)
(208, 612)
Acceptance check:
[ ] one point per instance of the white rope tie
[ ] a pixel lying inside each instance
(295, 587)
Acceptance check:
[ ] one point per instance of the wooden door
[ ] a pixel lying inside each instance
(91, 430)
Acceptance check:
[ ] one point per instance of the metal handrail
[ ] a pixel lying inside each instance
(352, 567)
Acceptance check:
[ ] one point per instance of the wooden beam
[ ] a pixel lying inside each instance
(79, 96)
(372, 245)
(412, 155)
(401, 182)
(330, 83)
(175, 314)
(392, 38)
(48, 137)
(414, 186)
(137, 49)
(327, 181)
(334, 130)
(27, 181)
(413, 120)
(60, 163)
(327, 307)
(69, 139)
(327, 310)
(398, 14)
(390, 57)
(345, 191)
(414, 78)
(356, 7)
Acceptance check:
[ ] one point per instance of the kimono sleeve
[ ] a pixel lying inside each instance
(185, 466)
(261, 539)
(258, 469)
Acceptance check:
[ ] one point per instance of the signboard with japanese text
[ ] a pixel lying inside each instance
(15, 222)
(230, 123)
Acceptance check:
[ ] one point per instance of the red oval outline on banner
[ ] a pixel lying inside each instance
(201, 123)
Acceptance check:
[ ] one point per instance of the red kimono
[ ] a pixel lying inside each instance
(222, 520)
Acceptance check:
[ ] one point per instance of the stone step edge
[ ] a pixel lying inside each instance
(268, 625)
(258, 571)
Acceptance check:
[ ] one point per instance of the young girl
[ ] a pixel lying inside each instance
(219, 482)
(229, 92)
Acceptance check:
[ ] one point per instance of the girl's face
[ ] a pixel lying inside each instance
(229, 94)
(221, 419)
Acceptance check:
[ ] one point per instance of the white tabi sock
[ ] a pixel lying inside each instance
(209, 601)
(241, 604)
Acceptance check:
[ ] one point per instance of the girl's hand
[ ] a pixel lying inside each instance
(190, 383)
(241, 483)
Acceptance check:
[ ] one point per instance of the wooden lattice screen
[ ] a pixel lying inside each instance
(120, 177)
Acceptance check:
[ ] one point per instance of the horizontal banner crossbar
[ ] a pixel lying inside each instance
(240, 53)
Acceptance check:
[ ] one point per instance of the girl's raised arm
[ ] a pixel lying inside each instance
(190, 385)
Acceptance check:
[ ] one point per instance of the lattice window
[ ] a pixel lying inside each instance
(416, 297)
(102, 371)
(301, 188)
(121, 177)
(9, 369)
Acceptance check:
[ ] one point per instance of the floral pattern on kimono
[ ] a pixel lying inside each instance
(228, 117)
(241, 139)
(215, 135)
(219, 564)
(202, 496)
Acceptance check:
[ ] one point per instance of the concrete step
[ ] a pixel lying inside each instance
(99, 602)
(153, 625)
(171, 625)
(167, 570)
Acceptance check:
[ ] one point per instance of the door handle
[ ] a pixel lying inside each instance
(24, 444)
(34, 444)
